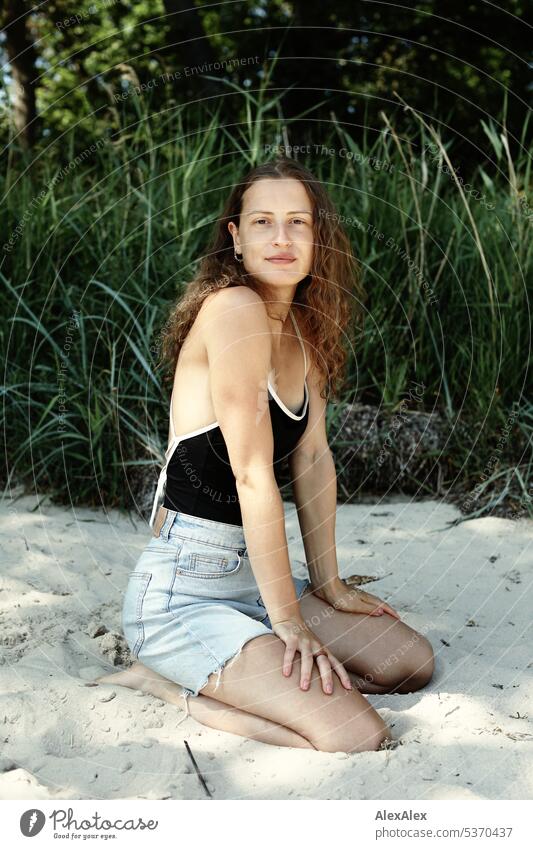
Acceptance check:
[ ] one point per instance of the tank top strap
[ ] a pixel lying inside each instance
(162, 479)
(301, 341)
(172, 431)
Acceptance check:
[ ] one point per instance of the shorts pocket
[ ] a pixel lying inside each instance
(207, 560)
(132, 621)
(206, 571)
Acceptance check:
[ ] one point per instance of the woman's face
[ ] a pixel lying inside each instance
(275, 236)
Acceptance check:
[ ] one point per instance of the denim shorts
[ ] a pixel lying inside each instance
(192, 600)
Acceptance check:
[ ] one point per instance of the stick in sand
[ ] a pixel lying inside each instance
(195, 765)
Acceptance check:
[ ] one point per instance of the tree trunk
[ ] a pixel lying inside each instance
(22, 55)
(189, 44)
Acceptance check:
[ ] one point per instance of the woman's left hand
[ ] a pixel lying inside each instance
(351, 599)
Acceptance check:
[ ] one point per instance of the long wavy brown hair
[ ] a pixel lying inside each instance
(327, 303)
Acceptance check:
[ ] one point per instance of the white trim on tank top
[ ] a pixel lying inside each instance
(285, 409)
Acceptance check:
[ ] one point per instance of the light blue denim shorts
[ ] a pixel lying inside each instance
(192, 600)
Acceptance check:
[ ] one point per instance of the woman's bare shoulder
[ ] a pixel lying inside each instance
(230, 295)
(232, 303)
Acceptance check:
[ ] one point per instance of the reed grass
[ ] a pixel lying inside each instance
(108, 241)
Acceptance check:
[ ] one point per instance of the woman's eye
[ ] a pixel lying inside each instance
(295, 220)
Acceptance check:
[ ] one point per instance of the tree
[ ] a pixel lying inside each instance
(20, 49)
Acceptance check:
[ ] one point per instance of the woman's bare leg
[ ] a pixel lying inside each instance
(211, 712)
(382, 654)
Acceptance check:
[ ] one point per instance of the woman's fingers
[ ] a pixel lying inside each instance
(385, 608)
(306, 665)
(341, 672)
(303, 641)
(378, 606)
(288, 657)
(388, 609)
(324, 665)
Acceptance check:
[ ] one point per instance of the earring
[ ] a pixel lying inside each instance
(237, 256)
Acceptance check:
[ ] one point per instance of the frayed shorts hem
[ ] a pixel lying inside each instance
(219, 668)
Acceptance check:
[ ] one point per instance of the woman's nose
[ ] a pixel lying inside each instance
(281, 237)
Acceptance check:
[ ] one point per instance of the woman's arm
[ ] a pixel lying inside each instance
(238, 343)
(315, 495)
(314, 481)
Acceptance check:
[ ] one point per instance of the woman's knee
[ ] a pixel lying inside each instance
(366, 736)
(422, 665)
(408, 668)
(346, 722)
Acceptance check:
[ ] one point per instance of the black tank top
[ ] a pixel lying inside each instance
(197, 477)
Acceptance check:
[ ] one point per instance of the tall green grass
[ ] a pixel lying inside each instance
(113, 239)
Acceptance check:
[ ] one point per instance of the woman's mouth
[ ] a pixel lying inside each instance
(280, 260)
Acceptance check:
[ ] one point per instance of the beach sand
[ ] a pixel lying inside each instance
(467, 735)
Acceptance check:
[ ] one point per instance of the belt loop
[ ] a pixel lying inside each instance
(167, 524)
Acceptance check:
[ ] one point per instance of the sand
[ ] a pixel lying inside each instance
(467, 735)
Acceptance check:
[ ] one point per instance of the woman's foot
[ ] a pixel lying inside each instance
(205, 710)
(139, 677)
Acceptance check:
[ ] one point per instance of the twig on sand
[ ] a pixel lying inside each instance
(198, 773)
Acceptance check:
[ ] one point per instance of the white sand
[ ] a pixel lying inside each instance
(468, 735)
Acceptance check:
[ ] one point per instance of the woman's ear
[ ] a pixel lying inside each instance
(234, 230)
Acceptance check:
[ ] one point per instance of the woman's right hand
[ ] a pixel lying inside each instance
(298, 637)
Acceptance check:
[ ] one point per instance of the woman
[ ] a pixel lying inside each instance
(212, 606)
